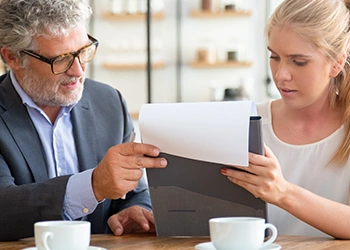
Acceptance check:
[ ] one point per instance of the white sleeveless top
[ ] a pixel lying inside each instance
(305, 166)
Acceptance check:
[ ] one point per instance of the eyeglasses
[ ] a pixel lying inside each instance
(62, 63)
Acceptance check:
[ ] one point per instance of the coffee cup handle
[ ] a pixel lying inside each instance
(44, 238)
(273, 236)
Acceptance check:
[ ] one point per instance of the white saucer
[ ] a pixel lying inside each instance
(210, 246)
(89, 248)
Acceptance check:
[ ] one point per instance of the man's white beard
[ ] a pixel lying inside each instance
(48, 93)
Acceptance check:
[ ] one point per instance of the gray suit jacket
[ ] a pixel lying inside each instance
(100, 120)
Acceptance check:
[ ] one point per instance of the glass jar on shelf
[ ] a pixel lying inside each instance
(238, 5)
(137, 51)
(207, 52)
(229, 5)
(211, 5)
(142, 6)
(236, 51)
(157, 5)
(232, 51)
(131, 6)
(157, 50)
(116, 6)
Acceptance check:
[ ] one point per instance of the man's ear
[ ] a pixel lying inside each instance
(338, 65)
(13, 61)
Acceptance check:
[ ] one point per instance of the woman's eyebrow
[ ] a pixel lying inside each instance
(292, 55)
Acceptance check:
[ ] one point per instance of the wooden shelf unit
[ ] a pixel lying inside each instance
(226, 13)
(2, 68)
(135, 66)
(227, 64)
(130, 17)
(134, 115)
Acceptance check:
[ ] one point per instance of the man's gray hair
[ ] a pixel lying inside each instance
(23, 20)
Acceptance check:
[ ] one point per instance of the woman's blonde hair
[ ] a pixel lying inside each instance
(325, 24)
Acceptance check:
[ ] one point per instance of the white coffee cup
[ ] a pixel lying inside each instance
(243, 233)
(58, 235)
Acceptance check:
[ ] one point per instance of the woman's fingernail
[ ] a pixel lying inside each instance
(163, 162)
(223, 171)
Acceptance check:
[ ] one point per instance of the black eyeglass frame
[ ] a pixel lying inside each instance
(52, 60)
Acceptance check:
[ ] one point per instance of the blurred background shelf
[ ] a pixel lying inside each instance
(226, 13)
(134, 115)
(134, 66)
(2, 68)
(130, 17)
(179, 34)
(221, 65)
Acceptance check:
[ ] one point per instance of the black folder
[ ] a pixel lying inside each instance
(188, 192)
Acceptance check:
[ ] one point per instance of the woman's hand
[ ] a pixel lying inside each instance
(263, 177)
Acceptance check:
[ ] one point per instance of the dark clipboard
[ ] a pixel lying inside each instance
(187, 193)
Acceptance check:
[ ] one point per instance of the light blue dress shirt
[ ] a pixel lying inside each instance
(60, 152)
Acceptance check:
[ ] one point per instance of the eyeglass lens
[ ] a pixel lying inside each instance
(63, 63)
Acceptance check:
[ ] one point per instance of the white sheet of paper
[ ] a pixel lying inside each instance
(207, 131)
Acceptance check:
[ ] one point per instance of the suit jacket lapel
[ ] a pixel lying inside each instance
(20, 126)
(84, 134)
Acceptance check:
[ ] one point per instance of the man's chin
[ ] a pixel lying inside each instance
(71, 97)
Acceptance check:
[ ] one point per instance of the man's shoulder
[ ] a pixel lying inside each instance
(99, 89)
(96, 85)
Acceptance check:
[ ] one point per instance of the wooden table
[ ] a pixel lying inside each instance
(151, 242)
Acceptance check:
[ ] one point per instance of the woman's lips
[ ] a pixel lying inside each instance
(287, 92)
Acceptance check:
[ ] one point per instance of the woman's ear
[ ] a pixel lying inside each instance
(338, 65)
(13, 61)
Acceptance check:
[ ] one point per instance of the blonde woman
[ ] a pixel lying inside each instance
(305, 173)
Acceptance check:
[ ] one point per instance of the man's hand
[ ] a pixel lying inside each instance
(134, 219)
(120, 169)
